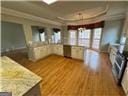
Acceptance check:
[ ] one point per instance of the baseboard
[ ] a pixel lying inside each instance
(9, 50)
(14, 51)
(104, 51)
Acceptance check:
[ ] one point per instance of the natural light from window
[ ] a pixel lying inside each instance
(42, 36)
(72, 37)
(84, 38)
(56, 37)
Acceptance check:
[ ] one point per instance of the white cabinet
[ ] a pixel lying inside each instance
(40, 52)
(57, 49)
(112, 53)
(60, 50)
(125, 81)
(77, 52)
(74, 52)
(36, 53)
(48, 49)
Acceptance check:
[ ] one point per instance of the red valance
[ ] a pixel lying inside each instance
(87, 26)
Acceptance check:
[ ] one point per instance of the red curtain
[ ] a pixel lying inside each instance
(87, 26)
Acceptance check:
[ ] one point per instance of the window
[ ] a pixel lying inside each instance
(84, 38)
(56, 37)
(96, 38)
(42, 36)
(72, 37)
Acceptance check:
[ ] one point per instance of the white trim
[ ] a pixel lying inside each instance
(103, 12)
(105, 17)
(104, 51)
(18, 48)
(12, 12)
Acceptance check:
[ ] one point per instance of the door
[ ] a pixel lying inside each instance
(96, 38)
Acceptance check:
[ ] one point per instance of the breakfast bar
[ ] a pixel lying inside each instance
(18, 80)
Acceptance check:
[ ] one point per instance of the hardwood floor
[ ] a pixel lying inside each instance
(69, 77)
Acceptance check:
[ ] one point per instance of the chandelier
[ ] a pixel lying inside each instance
(81, 29)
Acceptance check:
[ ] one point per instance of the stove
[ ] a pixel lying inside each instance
(120, 63)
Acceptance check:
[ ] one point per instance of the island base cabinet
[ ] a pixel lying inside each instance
(35, 91)
(77, 53)
(57, 49)
(39, 52)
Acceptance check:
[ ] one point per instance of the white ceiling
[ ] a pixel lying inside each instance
(68, 10)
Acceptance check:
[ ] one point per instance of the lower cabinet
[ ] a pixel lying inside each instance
(112, 54)
(36, 53)
(35, 91)
(40, 52)
(77, 52)
(125, 81)
(57, 49)
(74, 52)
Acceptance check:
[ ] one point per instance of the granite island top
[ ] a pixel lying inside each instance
(15, 78)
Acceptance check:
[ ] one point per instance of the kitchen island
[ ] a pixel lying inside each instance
(43, 50)
(18, 80)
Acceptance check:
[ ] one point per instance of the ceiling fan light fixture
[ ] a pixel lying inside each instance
(49, 1)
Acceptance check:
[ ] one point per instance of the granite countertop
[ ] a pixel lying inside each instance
(15, 78)
(37, 46)
(75, 45)
(115, 46)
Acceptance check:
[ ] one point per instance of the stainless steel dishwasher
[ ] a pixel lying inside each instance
(67, 51)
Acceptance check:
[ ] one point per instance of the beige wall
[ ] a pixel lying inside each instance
(27, 25)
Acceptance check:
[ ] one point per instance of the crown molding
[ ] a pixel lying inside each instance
(94, 15)
(101, 18)
(15, 13)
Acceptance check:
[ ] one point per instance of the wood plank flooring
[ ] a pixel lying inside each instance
(69, 77)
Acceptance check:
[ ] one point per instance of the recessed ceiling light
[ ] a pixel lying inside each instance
(49, 1)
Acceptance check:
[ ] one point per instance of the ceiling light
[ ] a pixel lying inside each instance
(81, 29)
(49, 1)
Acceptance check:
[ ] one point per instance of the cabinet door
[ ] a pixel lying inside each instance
(81, 54)
(73, 52)
(125, 81)
(53, 49)
(37, 54)
(49, 49)
(60, 50)
(56, 49)
(45, 51)
(112, 55)
(78, 53)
